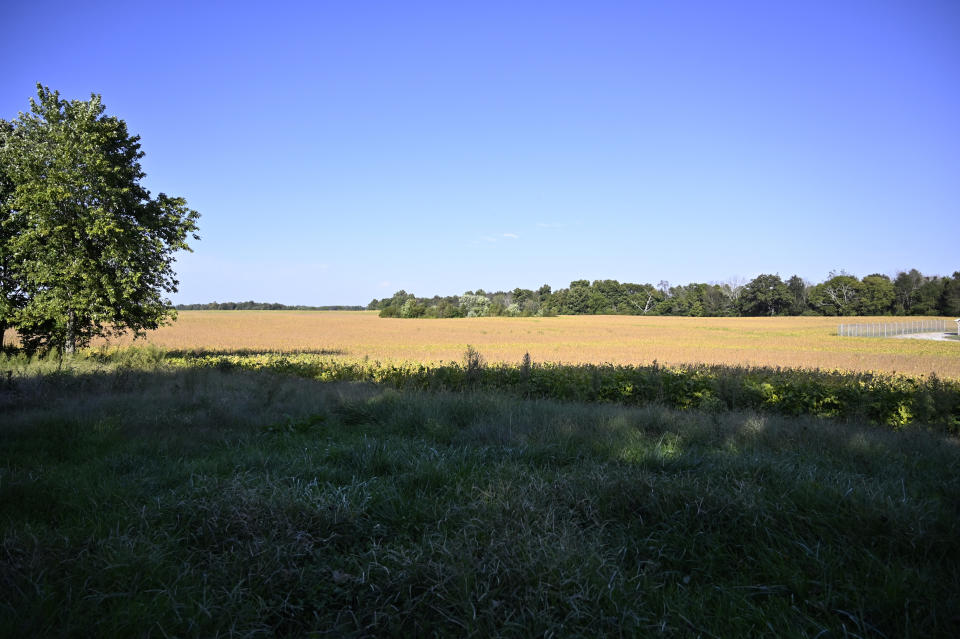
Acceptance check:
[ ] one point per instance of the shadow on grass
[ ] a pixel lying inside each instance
(888, 400)
(201, 501)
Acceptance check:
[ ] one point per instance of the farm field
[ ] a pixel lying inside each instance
(796, 342)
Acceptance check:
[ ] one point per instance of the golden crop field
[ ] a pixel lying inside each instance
(809, 342)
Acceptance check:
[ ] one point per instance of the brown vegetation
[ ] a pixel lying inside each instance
(809, 342)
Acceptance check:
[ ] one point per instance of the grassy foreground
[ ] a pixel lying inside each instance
(140, 499)
(887, 399)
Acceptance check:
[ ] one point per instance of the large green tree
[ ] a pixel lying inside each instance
(877, 295)
(799, 292)
(11, 294)
(839, 295)
(765, 295)
(927, 298)
(905, 286)
(950, 299)
(92, 251)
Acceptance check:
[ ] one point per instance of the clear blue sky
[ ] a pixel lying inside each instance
(339, 151)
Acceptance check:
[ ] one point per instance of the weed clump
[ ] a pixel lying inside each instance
(473, 365)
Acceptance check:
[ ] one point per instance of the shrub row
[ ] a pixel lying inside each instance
(893, 400)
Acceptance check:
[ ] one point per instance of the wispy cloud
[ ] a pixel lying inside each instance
(551, 225)
(493, 239)
(384, 284)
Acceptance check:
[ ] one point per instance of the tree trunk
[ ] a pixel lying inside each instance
(70, 344)
(3, 329)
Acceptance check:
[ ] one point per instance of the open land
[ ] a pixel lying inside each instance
(794, 342)
(142, 500)
(218, 486)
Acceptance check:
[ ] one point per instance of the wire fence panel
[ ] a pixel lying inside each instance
(892, 329)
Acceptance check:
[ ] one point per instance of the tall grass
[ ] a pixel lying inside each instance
(893, 400)
(140, 499)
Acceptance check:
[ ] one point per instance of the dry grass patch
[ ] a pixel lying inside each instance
(795, 342)
(804, 342)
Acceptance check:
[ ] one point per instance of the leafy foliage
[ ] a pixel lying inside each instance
(842, 294)
(207, 502)
(86, 250)
(884, 399)
(765, 295)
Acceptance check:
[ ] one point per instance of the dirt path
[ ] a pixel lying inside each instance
(940, 337)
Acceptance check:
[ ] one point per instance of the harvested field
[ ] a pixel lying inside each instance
(807, 342)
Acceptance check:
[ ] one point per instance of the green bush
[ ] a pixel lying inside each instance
(890, 400)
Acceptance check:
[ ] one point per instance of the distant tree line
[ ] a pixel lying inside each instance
(908, 293)
(260, 306)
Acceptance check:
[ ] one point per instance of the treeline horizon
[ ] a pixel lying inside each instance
(263, 306)
(842, 294)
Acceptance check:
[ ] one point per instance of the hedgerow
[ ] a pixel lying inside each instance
(880, 398)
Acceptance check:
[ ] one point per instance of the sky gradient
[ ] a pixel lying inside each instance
(339, 152)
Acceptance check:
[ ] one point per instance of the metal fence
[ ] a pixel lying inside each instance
(889, 329)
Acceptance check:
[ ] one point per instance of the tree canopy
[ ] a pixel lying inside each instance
(85, 249)
(765, 295)
(910, 293)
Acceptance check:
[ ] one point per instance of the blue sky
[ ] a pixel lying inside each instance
(339, 152)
